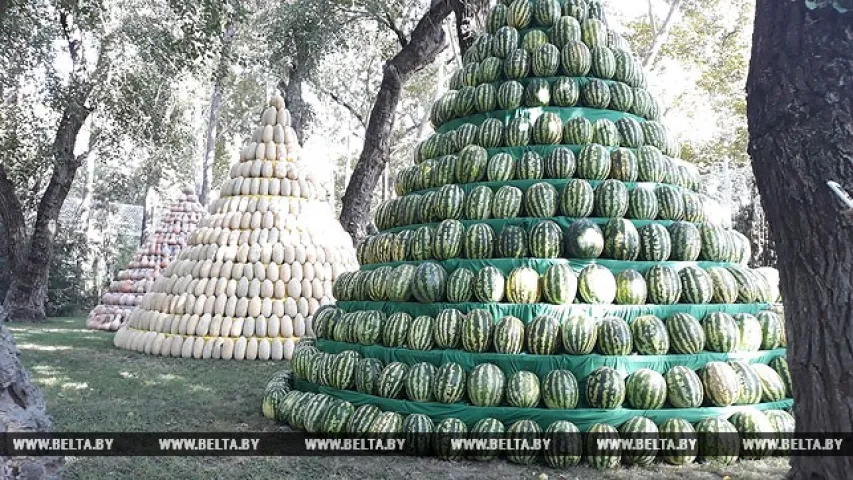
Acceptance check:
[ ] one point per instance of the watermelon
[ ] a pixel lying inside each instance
(546, 60)
(577, 131)
(773, 388)
(460, 286)
(721, 383)
(487, 428)
(547, 129)
(537, 93)
(390, 381)
(720, 442)
(512, 242)
(506, 202)
(361, 419)
(478, 203)
(752, 424)
(650, 335)
(611, 199)
(501, 168)
(725, 285)
(447, 430)
(489, 285)
(579, 333)
(560, 390)
(664, 285)
(686, 241)
(577, 199)
(522, 286)
(697, 286)
(449, 384)
(420, 333)
(584, 240)
(418, 383)
(565, 92)
(540, 200)
(607, 456)
(782, 421)
(471, 166)
(623, 166)
(750, 383)
(522, 390)
(655, 242)
(369, 328)
(640, 429)
(721, 332)
(505, 41)
(678, 430)
(604, 132)
(566, 29)
(575, 59)
(528, 431)
(566, 446)
(491, 133)
(545, 240)
(519, 14)
(448, 204)
(560, 163)
(429, 282)
(630, 288)
(605, 388)
(477, 331)
(683, 388)
(559, 284)
(420, 249)
(479, 241)
(772, 329)
(488, 71)
(595, 94)
(686, 335)
(543, 335)
(509, 335)
(517, 64)
(780, 365)
(621, 239)
(510, 95)
(529, 166)
(622, 99)
(447, 328)
(334, 419)
(596, 285)
(418, 429)
(486, 385)
(546, 12)
(593, 162)
(749, 332)
(603, 62)
(614, 336)
(594, 32)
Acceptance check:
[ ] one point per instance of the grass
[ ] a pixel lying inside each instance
(92, 386)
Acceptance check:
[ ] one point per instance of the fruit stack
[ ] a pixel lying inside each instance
(258, 266)
(549, 266)
(126, 291)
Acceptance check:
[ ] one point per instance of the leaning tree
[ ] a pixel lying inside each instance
(800, 110)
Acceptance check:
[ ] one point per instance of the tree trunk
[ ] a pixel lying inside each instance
(215, 107)
(661, 36)
(800, 113)
(426, 41)
(29, 257)
(470, 18)
(301, 113)
(22, 410)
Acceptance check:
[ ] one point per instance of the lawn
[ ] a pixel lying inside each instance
(92, 386)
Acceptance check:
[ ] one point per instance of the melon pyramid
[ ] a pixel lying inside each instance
(549, 265)
(130, 284)
(256, 269)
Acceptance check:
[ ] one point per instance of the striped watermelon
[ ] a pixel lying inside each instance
(447, 328)
(750, 383)
(577, 131)
(749, 332)
(449, 202)
(596, 285)
(577, 199)
(566, 446)
(390, 381)
(546, 12)
(369, 328)
(664, 285)
(512, 242)
(720, 444)
(546, 60)
(491, 133)
(579, 334)
(545, 240)
(548, 129)
(487, 428)
(670, 203)
(640, 428)
(447, 430)
(449, 384)
(516, 64)
(650, 164)
(471, 166)
(522, 286)
(361, 419)
(575, 8)
(604, 132)
(479, 241)
(560, 390)
(686, 241)
(603, 62)
(780, 365)
(519, 14)
(522, 390)
(510, 95)
(605, 388)
(529, 166)
(420, 333)
(464, 104)
(715, 243)
(478, 203)
(559, 284)
(683, 388)
(650, 335)
(560, 163)
(420, 249)
(593, 162)
(772, 329)
(752, 424)
(477, 331)
(496, 18)
(566, 29)
(655, 242)
(686, 334)
(575, 59)
(697, 286)
(773, 388)
(614, 336)
(489, 285)
(537, 93)
(611, 199)
(486, 385)
(488, 72)
(622, 99)
(721, 383)
(596, 94)
(418, 429)
(623, 166)
(565, 92)
(429, 282)
(505, 41)
(621, 239)
(605, 457)
(509, 335)
(419, 380)
(506, 202)
(725, 285)
(721, 332)
(594, 32)
(336, 416)
(677, 430)
(630, 288)
(543, 335)
(396, 329)
(501, 168)
(526, 430)
(460, 285)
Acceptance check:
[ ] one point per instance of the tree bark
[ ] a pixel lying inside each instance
(470, 18)
(800, 113)
(301, 113)
(29, 257)
(22, 410)
(660, 36)
(426, 41)
(215, 108)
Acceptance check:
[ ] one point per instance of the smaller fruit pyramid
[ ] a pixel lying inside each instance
(257, 268)
(129, 286)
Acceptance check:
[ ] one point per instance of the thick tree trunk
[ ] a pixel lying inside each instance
(426, 41)
(301, 113)
(800, 111)
(29, 257)
(470, 17)
(22, 410)
(215, 107)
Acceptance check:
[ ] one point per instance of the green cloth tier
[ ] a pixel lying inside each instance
(528, 222)
(541, 365)
(541, 265)
(523, 185)
(527, 312)
(583, 418)
(532, 113)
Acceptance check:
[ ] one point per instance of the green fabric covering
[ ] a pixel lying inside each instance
(523, 185)
(506, 265)
(580, 365)
(565, 113)
(527, 312)
(527, 222)
(583, 418)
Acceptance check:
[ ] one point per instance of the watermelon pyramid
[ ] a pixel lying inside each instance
(549, 265)
(258, 266)
(130, 284)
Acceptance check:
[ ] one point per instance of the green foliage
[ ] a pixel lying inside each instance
(67, 293)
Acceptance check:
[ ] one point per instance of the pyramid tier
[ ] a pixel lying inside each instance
(257, 267)
(126, 291)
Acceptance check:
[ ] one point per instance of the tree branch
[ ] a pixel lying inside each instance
(661, 36)
(12, 214)
(342, 102)
(401, 35)
(652, 25)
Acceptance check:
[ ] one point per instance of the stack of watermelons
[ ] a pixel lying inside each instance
(549, 267)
